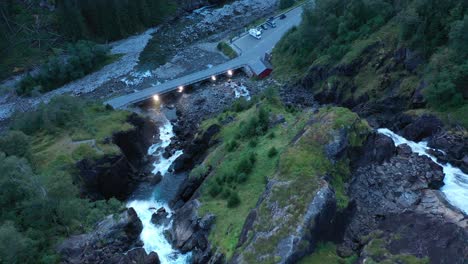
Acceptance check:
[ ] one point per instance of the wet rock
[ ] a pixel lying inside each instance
(419, 235)
(454, 145)
(152, 258)
(464, 165)
(377, 149)
(111, 238)
(156, 178)
(135, 143)
(188, 231)
(399, 185)
(160, 217)
(195, 151)
(421, 128)
(207, 221)
(404, 150)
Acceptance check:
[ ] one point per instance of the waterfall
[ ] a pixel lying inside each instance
(153, 235)
(455, 186)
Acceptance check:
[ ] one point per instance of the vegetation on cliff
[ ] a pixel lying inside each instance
(39, 186)
(241, 165)
(359, 43)
(257, 148)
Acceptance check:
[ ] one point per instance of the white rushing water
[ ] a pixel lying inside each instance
(456, 182)
(152, 235)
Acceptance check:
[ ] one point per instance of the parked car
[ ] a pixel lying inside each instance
(282, 16)
(264, 27)
(271, 23)
(255, 33)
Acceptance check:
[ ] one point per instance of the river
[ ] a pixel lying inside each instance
(455, 186)
(148, 199)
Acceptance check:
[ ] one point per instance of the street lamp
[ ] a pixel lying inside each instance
(213, 78)
(230, 73)
(181, 89)
(156, 98)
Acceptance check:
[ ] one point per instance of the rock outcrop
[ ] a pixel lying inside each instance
(114, 240)
(189, 232)
(292, 236)
(398, 200)
(118, 175)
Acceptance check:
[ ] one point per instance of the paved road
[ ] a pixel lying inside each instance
(252, 50)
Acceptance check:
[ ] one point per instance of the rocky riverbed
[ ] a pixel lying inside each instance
(186, 49)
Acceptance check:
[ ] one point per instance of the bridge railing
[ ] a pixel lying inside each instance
(175, 87)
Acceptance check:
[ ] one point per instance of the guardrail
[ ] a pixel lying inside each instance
(173, 88)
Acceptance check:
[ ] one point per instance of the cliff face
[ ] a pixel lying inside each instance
(118, 175)
(298, 206)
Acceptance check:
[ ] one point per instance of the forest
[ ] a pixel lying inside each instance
(31, 31)
(332, 31)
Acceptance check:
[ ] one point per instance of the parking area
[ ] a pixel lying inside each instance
(270, 36)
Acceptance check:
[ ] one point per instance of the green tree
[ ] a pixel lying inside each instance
(14, 246)
(16, 143)
(286, 3)
(459, 36)
(17, 184)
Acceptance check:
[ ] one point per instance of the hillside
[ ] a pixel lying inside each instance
(382, 56)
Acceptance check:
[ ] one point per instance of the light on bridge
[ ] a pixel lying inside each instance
(180, 89)
(213, 78)
(156, 98)
(230, 73)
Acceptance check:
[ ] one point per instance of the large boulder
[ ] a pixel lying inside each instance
(160, 217)
(189, 232)
(377, 149)
(196, 149)
(418, 235)
(111, 239)
(384, 193)
(422, 127)
(454, 146)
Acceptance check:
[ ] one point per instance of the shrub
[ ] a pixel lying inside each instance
(271, 135)
(231, 145)
(252, 157)
(240, 105)
(233, 200)
(214, 189)
(286, 3)
(78, 60)
(227, 50)
(61, 112)
(242, 177)
(245, 165)
(256, 125)
(226, 193)
(16, 143)
(198, 172)
(253, 143)
(272, 152)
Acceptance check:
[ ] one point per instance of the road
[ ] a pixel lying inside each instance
(251, 51)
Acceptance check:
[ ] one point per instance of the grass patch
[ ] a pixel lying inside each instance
(88, 140)
(230, 220)
(326, 253)
(227, 50)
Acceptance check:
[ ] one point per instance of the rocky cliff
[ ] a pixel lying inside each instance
(117, 175)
